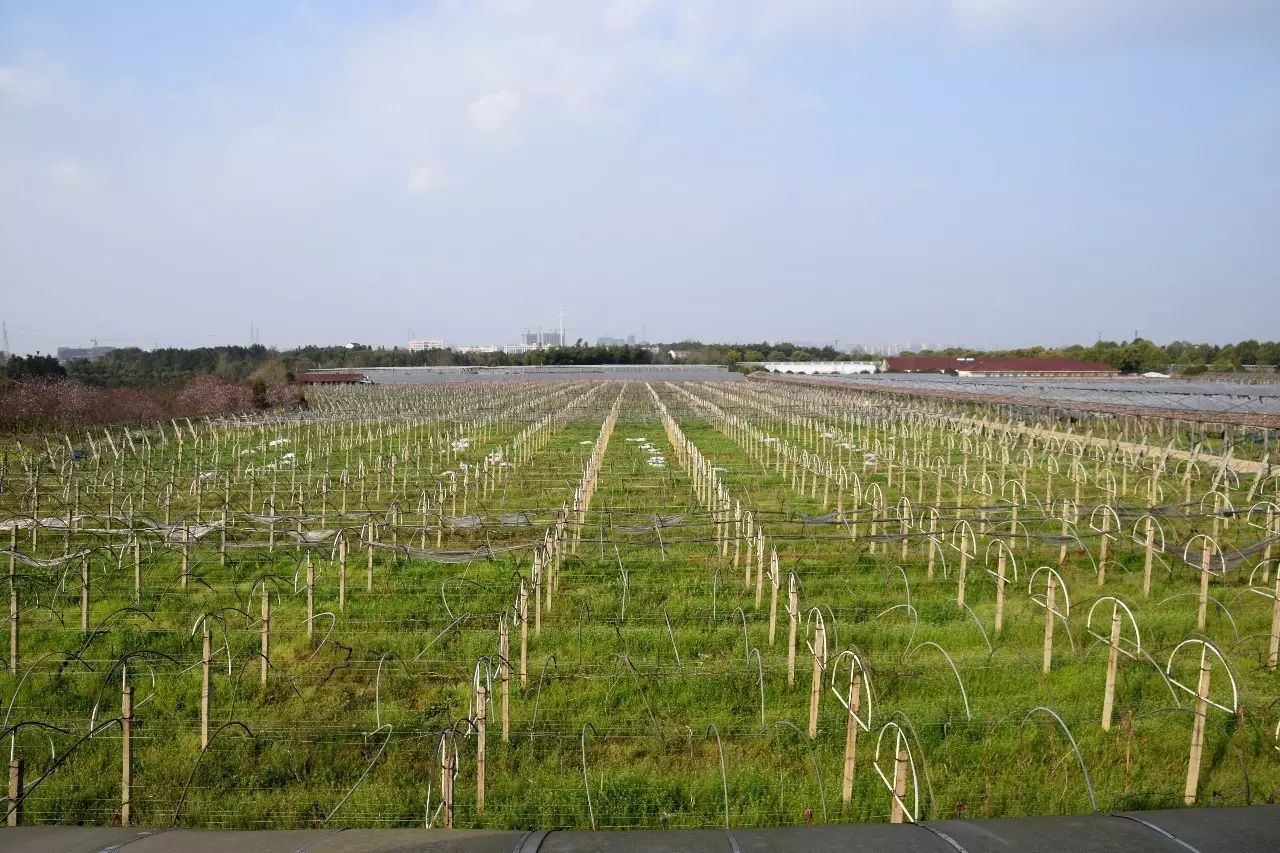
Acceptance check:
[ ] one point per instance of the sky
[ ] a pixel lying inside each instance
(990, 173)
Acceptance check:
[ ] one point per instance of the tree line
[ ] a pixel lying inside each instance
(1141, 355)
(174, 367)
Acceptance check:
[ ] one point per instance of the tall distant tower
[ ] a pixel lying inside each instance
(562, 342)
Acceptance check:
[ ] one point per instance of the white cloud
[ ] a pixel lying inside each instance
(24, 85)
(424, 179)
(68, 174)
(496, 112)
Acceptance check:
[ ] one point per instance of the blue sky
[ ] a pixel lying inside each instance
(981, 172)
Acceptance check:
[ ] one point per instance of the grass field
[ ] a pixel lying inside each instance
(652, 695)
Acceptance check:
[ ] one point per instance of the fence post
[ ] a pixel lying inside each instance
(793, 601)
(265, 630)
(899, 786)
(311, 597)
(126, 754)
(342, 572)
(1197, 731)
(15, 792)
(14, 610)
(482, 696)
(1048, 622)
(206, 664)
(851, 736)
(84, 594)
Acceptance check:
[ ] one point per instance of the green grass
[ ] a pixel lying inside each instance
(314, 731)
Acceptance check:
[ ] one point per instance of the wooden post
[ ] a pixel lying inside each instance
(1197, 731)
(1000, 565)
(524, 640)
(759, 554)
(1048, 622)
(137, 571)
(206, 664)
(1273, 654)
(84, 594)
(15, 792)
(933, 545)
(342, 572)
(369, 559)
(14, 609)
(899, 786)
(186, 553)
(815, 690)
(311, 596)
(538, 572)
(446, 785)
(1148, 557)
(1113, 656)
(774, 583)
(482, 697)
(851, 738)
(265, 631)
(126, 754)
(504, 675)
(1203, 610)
(962, 574)
(793, 617)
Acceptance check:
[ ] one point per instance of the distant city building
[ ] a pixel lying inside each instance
(424, 344)
(606, 341)
(472, 350)
(540, 339)
(66, 354)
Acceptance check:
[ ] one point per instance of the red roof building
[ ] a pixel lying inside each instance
(992, 366)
